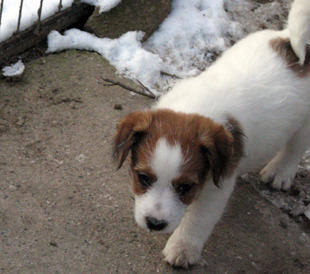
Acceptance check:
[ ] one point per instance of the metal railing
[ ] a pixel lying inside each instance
(25, 37)
(38, 22)
(39, 12)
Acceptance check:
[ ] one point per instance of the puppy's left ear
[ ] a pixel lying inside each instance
(217, 146)
(129, 132)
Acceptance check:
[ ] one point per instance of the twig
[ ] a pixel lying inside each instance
(145, 88)
(151, 95)
(39, 141)
(109, 85)
(171, 75)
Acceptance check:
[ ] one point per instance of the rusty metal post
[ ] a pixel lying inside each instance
(40, 11)
(1, 9)
(60, 5)
(20, 15)
(38, 23)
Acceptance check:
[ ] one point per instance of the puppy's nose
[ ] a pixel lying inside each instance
(154, 224)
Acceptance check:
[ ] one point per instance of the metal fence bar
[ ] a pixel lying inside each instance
(60, 5)
(38, 23)
(23, 40)
(20, 15)
(40, 11)
(1, 9)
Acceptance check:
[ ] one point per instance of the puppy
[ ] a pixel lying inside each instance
(250, 107)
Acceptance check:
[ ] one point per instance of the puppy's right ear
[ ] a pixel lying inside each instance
(129, 132)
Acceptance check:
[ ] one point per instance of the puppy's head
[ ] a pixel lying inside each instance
(172, 156)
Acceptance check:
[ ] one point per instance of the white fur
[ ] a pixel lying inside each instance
(166, 161)
(160, 201)
(186, 243)
(271, 102)
(299, 27)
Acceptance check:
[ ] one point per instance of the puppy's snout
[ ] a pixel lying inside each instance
(154, 224)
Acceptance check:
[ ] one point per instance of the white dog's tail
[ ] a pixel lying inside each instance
(299, 27)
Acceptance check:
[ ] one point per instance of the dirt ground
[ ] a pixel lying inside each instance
(65, 209)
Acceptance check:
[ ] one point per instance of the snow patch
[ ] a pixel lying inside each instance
(188, 41)
(193, 34)
(14, 70)
(125, 53)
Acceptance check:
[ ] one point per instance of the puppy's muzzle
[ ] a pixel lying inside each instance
(154, 224)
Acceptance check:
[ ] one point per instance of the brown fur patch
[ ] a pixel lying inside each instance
(208, 148)
(188, 197)
(129, 131)
(284, 49)
(137, 187)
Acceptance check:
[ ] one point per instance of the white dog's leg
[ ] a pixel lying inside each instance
(185, 244)
(282, 168)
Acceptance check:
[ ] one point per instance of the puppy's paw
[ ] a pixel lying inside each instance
(280, 178)
(181, 253)
(282, 182)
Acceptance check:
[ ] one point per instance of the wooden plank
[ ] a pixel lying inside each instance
(35, 34)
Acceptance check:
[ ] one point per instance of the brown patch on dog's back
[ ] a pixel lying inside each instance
(284, 48)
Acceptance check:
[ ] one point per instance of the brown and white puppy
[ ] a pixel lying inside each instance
(250, 106)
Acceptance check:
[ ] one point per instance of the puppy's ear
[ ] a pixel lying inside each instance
(217, 146)
(130, 131)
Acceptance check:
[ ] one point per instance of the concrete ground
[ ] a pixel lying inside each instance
(65, 209)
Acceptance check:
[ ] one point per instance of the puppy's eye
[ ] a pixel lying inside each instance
(144, 179)
(183, 188)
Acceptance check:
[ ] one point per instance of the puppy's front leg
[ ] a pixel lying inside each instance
(185, 244)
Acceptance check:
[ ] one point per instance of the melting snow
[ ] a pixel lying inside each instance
(14, 70)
